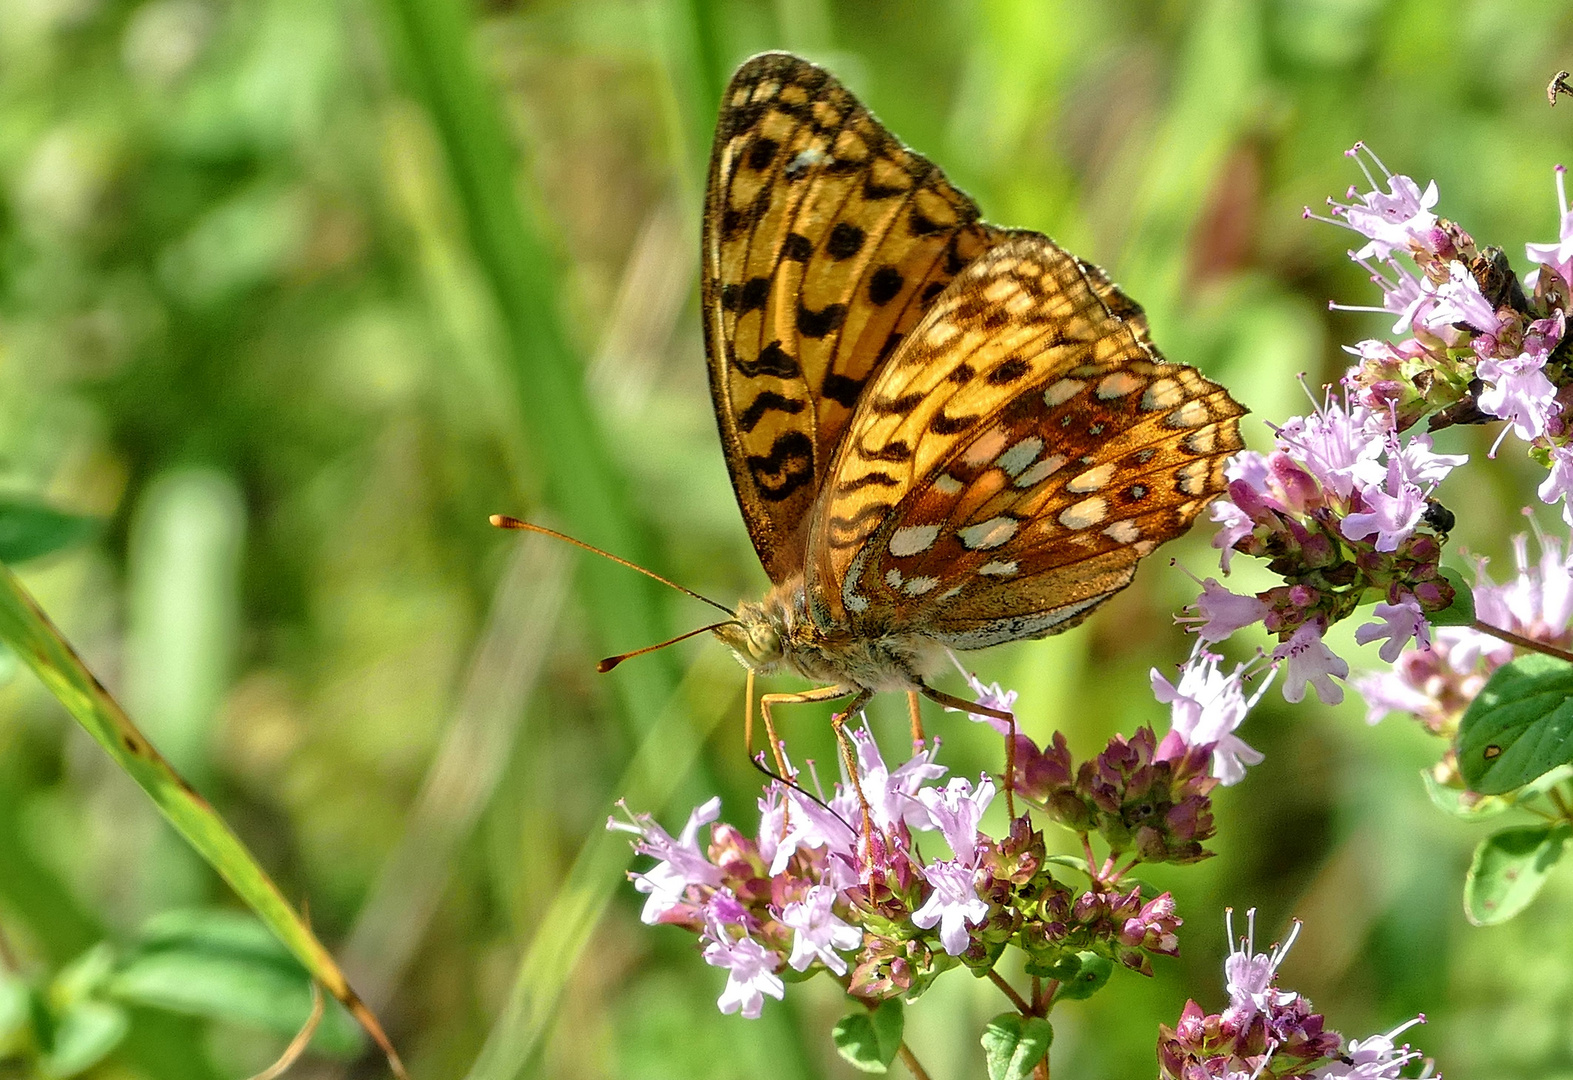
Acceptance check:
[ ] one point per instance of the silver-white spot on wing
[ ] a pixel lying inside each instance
(1042, 470)
(989, 534)
(1085, 514)
(1019, 456)
(912, 539)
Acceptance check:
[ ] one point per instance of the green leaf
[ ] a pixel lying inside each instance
(1014, 1044)
(84, 1036)
(1461, 612)
(225, 965)
(1470, 806)
(1089, 974)
(30, 529)
(1508, 870)
(1519, 727)
(15, 1011)
(25, 627)
(1073, 862)
(869, 1040)
(82, 977)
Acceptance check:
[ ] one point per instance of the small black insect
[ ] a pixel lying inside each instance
(1438, 517)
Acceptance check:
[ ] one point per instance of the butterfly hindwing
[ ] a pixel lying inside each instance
(1020, 452)
(825, 240)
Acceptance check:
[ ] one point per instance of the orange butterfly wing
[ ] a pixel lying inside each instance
(825, 240)
(1021, 451)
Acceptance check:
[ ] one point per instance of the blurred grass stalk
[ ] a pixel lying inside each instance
(183, 624)
(656, 771)
(436, 41)
(27, 630)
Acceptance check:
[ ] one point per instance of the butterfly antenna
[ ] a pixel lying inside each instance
(503, 521)
(612, 661)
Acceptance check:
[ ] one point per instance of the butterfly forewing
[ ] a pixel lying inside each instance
(825, 241)
(1022, 449)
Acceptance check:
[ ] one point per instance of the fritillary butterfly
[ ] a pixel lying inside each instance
(942, 434)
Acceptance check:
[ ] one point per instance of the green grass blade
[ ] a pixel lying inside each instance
(657, 770)
(434, 39)
(25, 627)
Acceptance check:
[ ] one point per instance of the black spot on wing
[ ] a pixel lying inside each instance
(842, 390)
(797, 248)
(773, 360)
(767, 402)
(872, 479)
(816, 324)
(1010, 371)
(755, 291)
(762, 153)
(884, 285)
(788, 466)
(903, 404)
(851, 530)
(950, 425)
(846, 240)
(891, 451)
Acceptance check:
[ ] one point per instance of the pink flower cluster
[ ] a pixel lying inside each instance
(809, 893)
(1272, 1033)
(1341, 509)
(1477, 346)
(1435, 684)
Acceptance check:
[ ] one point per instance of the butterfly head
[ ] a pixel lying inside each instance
(755, 637)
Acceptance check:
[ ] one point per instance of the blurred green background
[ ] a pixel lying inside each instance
(294, 293)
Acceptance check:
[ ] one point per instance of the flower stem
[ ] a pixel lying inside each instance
(910, 1060)
(1010, 992)
(1521, 641)
(1561, 803)
(1126, 869)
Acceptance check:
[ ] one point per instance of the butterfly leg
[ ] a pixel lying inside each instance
(849, 758)
(807, 697)
(952, 702)
(915, 716)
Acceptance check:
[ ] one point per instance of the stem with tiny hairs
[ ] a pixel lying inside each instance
(1521, 641)
(910, 1060)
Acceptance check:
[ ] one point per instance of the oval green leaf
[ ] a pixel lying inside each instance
(1461, 612)
(227, 966)
(30, 529)
(1464, 804)
(869, 1040)
(1014, 1044)
(84, 1036)
(1519, 727)
(28, 631)
(1508, 870)
(1091, 975)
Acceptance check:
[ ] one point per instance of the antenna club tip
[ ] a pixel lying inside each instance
(503, 521)
(603, 666)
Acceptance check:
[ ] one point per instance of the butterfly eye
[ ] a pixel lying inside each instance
(764, 644)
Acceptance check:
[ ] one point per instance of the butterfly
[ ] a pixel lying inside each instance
(942, 434)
